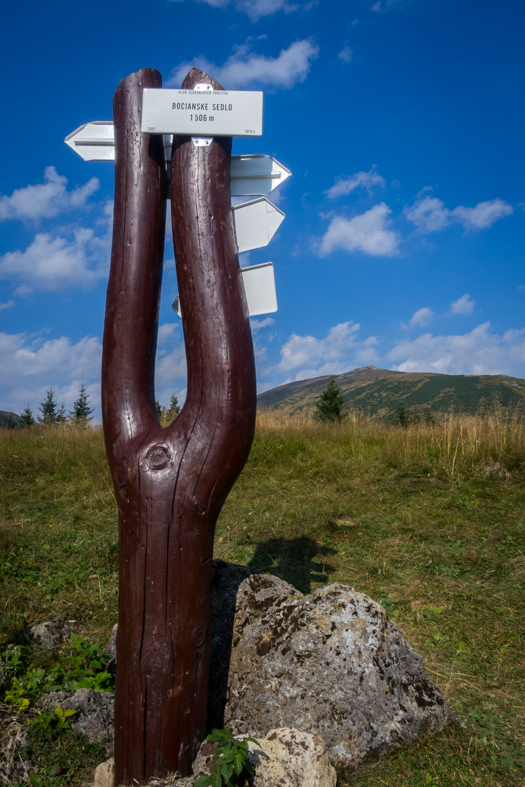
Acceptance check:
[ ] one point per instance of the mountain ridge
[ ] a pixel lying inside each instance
(379, 392)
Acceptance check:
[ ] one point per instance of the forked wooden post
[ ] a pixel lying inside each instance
(170, 483)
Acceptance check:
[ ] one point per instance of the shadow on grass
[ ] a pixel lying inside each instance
(299, 561)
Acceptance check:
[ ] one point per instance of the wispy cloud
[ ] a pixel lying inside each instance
(7, 305)
(245, 68)
(359, 180)
(368, 232)
(345, 54)
(480, 351)
(420, 317)
(463, 305)
(429, 214)
(76, 258)
(45, 200)
(256, 9)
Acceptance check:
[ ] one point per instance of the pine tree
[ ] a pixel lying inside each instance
(402, 415)
(174, 408)
(48, 408)
(26, 419)
(330, 406)
(81, 412)
(158, 408)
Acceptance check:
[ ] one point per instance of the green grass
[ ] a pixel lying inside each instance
(430, 521)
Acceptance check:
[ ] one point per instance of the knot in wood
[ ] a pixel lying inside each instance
(157, 457)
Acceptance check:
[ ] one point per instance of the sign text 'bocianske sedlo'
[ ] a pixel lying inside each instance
(211, 113)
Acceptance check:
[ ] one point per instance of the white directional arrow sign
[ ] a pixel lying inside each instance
(93, 141)
(259, 286)
(253, 174)
(256, 175)
(256, 222)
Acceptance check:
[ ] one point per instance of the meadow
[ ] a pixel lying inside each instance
(428, 520)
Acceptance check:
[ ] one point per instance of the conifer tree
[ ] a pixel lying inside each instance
(402, 415)
(48, 408)
(26, 419)
(81, 412)
(331, 404)
(174, 408)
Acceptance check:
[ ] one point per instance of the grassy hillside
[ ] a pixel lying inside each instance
(7, 418)
(429, 521)
(379, 392)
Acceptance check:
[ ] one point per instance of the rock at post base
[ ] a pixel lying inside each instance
(103, 776)
(284, 758)
(332, 664)
(291, 758)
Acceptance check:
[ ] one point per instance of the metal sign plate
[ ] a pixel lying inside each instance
(256, 174)
(93, 141)
(259, 286)
(214, 113)
(256, 222)
(250, 174)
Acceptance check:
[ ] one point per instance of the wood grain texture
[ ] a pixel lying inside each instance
(170, 483)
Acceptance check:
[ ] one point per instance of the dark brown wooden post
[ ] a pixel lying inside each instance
(170, 483)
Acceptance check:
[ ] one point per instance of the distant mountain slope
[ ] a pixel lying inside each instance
(4, 418)
(379, 392)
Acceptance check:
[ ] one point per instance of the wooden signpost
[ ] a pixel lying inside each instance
(170, 483)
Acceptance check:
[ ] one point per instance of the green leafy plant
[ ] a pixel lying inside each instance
(23, 689)
(53, 720)
(81, 667)
(232, 759)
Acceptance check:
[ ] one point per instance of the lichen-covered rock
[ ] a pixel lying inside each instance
(103, 776)
(51, 633)
(332, 664)
(94, 717)
(290, 758)
(238, 597)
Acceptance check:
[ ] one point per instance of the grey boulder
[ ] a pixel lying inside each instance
(94, 716)
(50, 633)
(332, 664)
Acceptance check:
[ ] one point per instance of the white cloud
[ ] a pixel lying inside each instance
(429, 214)
(45, 200)
(7, 305)
(483, 215)
(55, 263)
(303, 357)
(421, 317)
(256, 9)
(367, 232)
(166, 331)
(479, 352)
(257, 325)
(345, 54)
(246, 68)
(463, 305)
(58, 359)
(308, 352)
(363, 180)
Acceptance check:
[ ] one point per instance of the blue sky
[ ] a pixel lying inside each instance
(402, 123)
